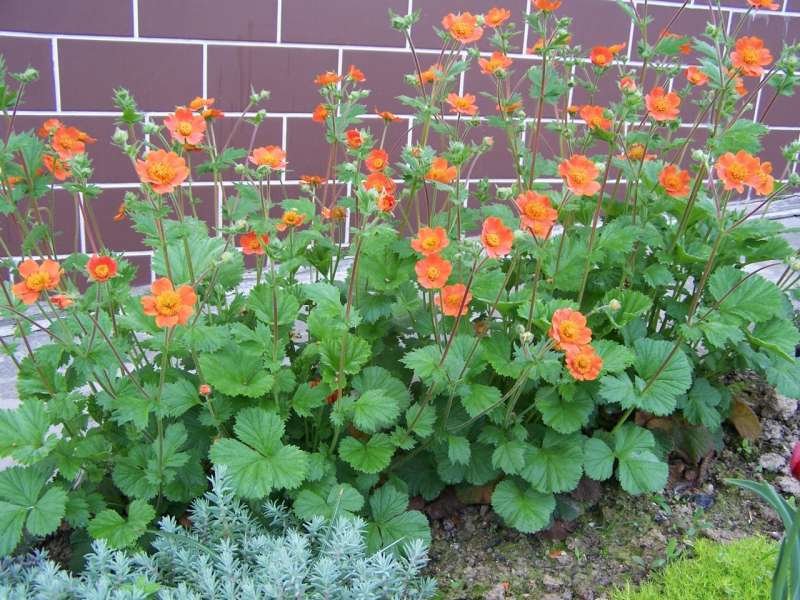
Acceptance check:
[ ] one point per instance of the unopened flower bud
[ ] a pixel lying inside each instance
(794, 263)
(526, 337)
(614, 304)
(120, 137)
(204, 389)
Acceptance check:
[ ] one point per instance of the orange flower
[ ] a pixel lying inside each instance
(377, 160)
(327, 78)
(252, 243)
(453, 300)
(312, 180)
(433, 271)
(379, 182)
(386, 115)
(162, 170)
(627, 84)
(185, 127)
(636, 153)
(36, 279)
(356, 74)
(49, 127)
(336, 213)
(204, 389)
(674, 181)
(496, 237)
(508, 107)
(168, 305)
(594, 117)
(120, 212)
(101, 268)
(536, 213)
(431, 74)
(441, 171)
(768, 4)
(57, 167)
(463, 27)
(762, 180)
(662, 106)
(601, 56)
(495, 17)
(430, 240)
(584, 364)
(736, 170)
(546, 5)
(320, 113)
(497, 63)
(537, 47)
(61, 301)
(463, 105)
(750, 56)
(269, 156)
(386, 203)
(353, 138)
(580, 174)
(685, 48)
(70, 141)
(695, 76)
(568, 330)
(290, 218)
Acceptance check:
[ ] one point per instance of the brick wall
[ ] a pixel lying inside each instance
(168, 51)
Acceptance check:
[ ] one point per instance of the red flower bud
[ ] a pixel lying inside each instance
(794, 462)
(204, 389)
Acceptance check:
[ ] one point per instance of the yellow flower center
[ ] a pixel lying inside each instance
(661, 104)
(601, 59)
(579, 176)
(432, 272)
(38, 281)
(569, 330)
(430, 242)
(583, 362)
(453, 300)
(534, 211)
(492, 239)
(161, 172)
(461, 29)
(101, 271)
(167, 304)
(738, 172)
(750, 56)
(378, 163)
(185, 128)
(636, 152)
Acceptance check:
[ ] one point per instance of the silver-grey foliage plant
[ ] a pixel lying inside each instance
(230, 554)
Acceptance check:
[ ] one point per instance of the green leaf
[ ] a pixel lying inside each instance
(341, 499)
(742, 135)
(307, 398)
(179, 397)
(118, 531)
(563, 415)
(271, 303)
(391, 522)
(777, 336)
(633, 304)
(557, 466)
(347, 351)
(522, 507)
(719, 334)
(598, 459)
(258, 462)
(423, 419)
(478, 399)
(749, 301)
(700, 405)
(45, 516)
(21, 499)
(374, 410)
(24, 432)
(639, 469)
(509, 456)
(616, 357)
(371, 456)
(236, 372)
(378, 377)
(425, 363)
(458, 450)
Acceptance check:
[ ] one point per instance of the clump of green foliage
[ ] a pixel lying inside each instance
(740, 570)
(228, 552)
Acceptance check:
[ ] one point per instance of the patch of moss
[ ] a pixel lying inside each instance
(740, 570)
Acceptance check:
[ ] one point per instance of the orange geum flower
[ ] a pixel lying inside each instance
(386, 115)
(386, 203)
(253, 244)
(312, 180)
(537, 47)
(546, 5)
(463, 105)
(627, 84)
(674, 181)
(170, 306)
(269, 156)
(162, 170)
(750, 56)
(36, 279)
(70, 141)
(601, 56)
(431, 74)
(377, 160)
(57, 167)
(379, 182)
(736, 170)
(49, 127)
(463, 27)
(335, 213)
(320, 113)
(568, 330)
(290, 219)
(120, 212)
(353, 139)
(101, 268)
(430, 240)
(508, 107)
(185, 127)
(441, 171)
(768, 4)
(580, 175)
(695, 76)
(594, 116)
(536, 212)
(433, 271)
(356, 74)
(453, 300)
(636, 152)
(495, 17)
(662, 106)
(584, 364)
(327, 78)
(762, 180)
(61, 301)
(496, 237)
(497, 63)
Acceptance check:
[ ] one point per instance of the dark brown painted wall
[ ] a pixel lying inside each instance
(168, 51)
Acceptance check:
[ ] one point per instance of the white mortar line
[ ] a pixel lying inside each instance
(135, 5)
(56, 74)
(279, 26)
